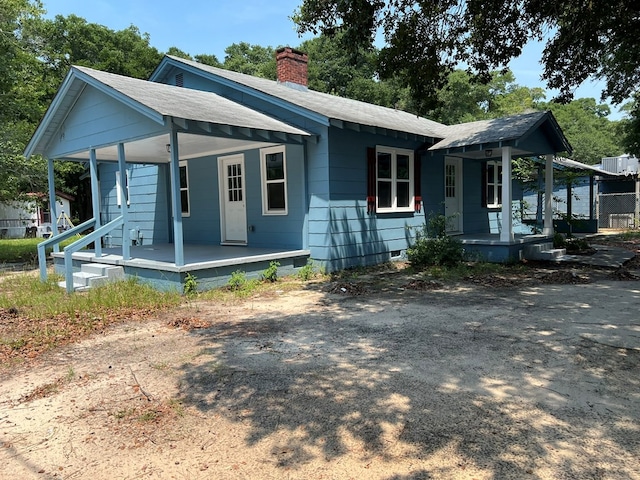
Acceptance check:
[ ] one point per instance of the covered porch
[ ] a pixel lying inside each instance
(99, 118)
(486, 223)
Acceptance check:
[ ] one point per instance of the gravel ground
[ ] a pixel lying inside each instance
(408, 380)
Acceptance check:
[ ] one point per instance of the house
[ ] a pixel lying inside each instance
(207, 171)
(31, 217)
(587, 198)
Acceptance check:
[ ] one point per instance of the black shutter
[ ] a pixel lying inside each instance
(371, 180)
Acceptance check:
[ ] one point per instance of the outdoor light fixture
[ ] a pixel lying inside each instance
(168, 146)
(488, 152)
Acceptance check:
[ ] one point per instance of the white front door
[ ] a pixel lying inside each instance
(233, 212)
(453, 194)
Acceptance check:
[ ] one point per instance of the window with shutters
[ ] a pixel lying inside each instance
(394, 180)
(493, 184)
(273, 169)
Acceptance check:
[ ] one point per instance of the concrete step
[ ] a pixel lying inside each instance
(95, 275)
(543, 251)
(553, 254)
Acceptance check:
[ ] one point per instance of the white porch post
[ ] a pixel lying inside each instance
(176, 205)
(124, 203)
(506, 233)
(548, 195)
(95, 197)
(53, 214)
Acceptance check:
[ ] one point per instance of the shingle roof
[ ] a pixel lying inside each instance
(189, 104)
(330, 106)
(489, 131)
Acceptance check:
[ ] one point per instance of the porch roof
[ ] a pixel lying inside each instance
(473, 138)
(162, 104)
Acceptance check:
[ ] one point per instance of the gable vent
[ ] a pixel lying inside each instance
(180, 80)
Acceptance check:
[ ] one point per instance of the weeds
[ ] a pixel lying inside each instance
(307, 272)
(271, 273)
(190, 284)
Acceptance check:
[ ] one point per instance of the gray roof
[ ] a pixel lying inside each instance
(330, 106)
(489, 131)
(189, 104)
(567, 163)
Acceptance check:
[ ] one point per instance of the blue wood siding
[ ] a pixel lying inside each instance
(116, 123)
(341, 232)
(273, 231)
(148, 210)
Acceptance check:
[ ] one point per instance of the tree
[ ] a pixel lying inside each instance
(585, 124)
(463, 99)
(426, 41)
(251, 59)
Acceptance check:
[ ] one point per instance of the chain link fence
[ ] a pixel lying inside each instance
(617, 210)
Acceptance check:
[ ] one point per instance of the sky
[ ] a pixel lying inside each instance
(210, 26)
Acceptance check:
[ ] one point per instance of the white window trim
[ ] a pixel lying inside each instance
(118, 196)
(263, 174)
(497, 183)
(183, 163)
(394, 180)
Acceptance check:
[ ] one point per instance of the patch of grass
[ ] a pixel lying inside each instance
(45, 316)
(630, 235)
(24, 250)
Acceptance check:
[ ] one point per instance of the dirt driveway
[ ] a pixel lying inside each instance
(460, 381)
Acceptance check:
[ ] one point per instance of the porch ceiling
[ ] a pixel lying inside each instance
(155, 149)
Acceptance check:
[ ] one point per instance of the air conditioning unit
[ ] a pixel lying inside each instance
(621, 220)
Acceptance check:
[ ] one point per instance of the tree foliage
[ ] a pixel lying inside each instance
(426, 41)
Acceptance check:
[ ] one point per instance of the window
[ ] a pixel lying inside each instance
(494, 184)
(273, 168)
(118, 196)
(394, 180)
(184, 189)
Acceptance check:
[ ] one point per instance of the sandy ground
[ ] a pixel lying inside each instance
(467, 382)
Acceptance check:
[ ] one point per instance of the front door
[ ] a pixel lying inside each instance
(453, 194)
(233, 213)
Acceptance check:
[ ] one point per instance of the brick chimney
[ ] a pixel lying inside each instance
(292, 66)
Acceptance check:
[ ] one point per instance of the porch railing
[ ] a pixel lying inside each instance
(69, 250)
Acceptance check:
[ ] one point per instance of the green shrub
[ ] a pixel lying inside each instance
(434, 247)
(559, 241)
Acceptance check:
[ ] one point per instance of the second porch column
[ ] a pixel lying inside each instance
(176, 206)
(95, 197)
(506, 234)
(124, 203)
(52, 203)
(548, 196)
